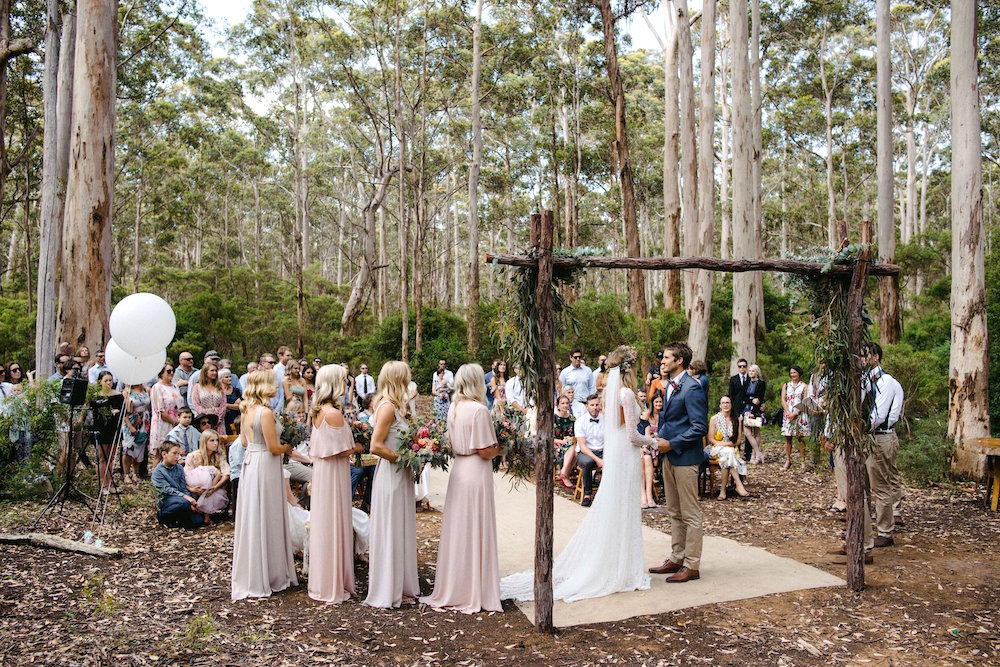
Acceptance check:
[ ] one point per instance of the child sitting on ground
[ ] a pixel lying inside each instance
(206, 472)
(184, 434)
(176, 507)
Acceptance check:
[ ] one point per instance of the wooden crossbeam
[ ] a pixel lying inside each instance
(706, 263)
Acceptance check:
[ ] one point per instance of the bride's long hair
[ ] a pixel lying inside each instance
(623, 358)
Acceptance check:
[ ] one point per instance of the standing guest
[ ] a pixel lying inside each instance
(207, 396)
(563, 429)
(135, 433)
(488, 378)
(883, 474)
(589, 432)
(364, 385)
(262, 541)
(649, 425)
(392, 578)
(164, 401)
(293, 384)
(514, 391)
(185, 434)
(206, 472)
(309, 382)
(331, 536)
(699, 371)
(233, 396)
(642, 399)
(443, 387)
(348, 401)
(723, 433)
(15, 376)
(796, 421)
(654, 371)
(683, 425)
(107, 409)
(659, 383)
(600, 375)
(467, 578)
(211, 357)
(60, 365)
(317, 364)
(579, 376)
(284, 356)
(175, 505)
(83, 356)
(498, 383)
(753, 413)
(251, 367)
(182, 375)
(227, 364)
(411, 396)
(738, 386)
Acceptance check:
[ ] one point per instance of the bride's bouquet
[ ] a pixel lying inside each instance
(427, 445)
(511, 431)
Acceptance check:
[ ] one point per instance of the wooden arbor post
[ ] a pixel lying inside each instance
(541, 232)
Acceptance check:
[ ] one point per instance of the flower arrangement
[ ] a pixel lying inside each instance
(293, 432)
(362, 433)
(518, 447)
(427, 445)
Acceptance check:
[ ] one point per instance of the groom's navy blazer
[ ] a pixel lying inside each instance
(684, 422)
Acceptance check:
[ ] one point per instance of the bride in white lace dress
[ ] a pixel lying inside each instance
(605, 556)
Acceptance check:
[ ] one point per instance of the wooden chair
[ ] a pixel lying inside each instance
(578, 491)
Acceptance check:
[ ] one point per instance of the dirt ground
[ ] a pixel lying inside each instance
(931, 599)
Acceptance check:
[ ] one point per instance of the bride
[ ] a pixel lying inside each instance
(605, 554)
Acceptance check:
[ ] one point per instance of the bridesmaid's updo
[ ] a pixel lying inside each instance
(623, 357)
(470, 384)
(330, 385)
(393, 385)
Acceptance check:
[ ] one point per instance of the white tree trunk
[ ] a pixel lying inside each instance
(968, 373)
(689, 165)
(85, 301)
(726, 213)
(889, 285)
(758, 158)
(477, 160)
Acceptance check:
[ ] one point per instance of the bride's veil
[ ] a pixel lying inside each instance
(612, 402)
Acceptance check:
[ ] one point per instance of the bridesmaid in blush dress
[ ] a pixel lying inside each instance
(468, 570)
(331, 535)
(392, 557)
(262, 541)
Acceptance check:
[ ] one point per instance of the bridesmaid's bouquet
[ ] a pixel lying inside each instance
(362, 434)
(511, 431)
(293, 432)
(427, 445)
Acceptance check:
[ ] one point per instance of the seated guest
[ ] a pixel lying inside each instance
(297, 464)
(563, 429)
(589, 432)
(176, 506)
(184, 434)
(206, 472)
(650, 425)
(723, 435)
(577, 408)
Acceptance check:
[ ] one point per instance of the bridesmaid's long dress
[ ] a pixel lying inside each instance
(331, 535)
(262, 543)
(467, 578)
(392, 559)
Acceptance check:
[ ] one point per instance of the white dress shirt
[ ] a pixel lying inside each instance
(582, 380)
(591, 429)
(363, 386)
(675, 380)
(888, 400)
(514, 390)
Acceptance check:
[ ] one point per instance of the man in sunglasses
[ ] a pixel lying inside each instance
(738, 394)
(578, 376)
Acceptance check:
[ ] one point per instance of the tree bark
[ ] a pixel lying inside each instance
(85, 291)
(831, 204)
(744, 239)
(689, 172)
(701, 291)
(888, 287)
(477, 160)
(637, 291)
(758, 157)
(404, 231)
(725, 216)
(968, 373)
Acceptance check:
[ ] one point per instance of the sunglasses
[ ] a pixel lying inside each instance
(168, 370)
(576, 356)
(15, 370)
(741, 365)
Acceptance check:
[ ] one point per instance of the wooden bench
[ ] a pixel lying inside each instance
(990, 447)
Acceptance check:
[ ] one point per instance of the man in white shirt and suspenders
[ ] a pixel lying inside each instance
(883, 475)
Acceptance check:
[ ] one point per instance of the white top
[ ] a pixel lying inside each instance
(582, 380)
(591, 429)
(514, 390)
(578, 409)
(364, 385)
(411, 391)
(94, 371)
(888, 400)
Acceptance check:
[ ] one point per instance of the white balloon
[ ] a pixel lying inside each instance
(131, 369)
(142, 324)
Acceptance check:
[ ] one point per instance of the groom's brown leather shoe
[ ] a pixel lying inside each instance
(683, 574)
(668, 567)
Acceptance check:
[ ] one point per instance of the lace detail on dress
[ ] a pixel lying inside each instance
(630, 408)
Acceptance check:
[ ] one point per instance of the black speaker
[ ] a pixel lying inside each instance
(73, 391)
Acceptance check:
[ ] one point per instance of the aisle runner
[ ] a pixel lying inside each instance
(729, 570)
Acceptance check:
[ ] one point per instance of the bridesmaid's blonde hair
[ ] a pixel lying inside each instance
(330, 385)
(470, 383)
(261, 386)
(393, 386)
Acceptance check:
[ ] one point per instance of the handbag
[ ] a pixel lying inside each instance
(752, 422)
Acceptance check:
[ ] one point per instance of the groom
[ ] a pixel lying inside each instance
(683, 425)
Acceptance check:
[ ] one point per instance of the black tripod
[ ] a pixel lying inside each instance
(68, 490)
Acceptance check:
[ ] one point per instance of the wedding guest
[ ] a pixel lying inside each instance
(235, 459)
(364, 384)
(331, 537)
(107, 409)
(699, 371)
(579, 376)
(97, 366)
(601, 375)
(175, 504)
(262, 543)
(883, 473)
(392, 578)
(796, 421)
(589, 432)
(498, 383)
(443, 386)
(411, 397)
(649, 425)
(488, 379)
(753, 413)
(563, 440)
(207, 396)
(164, 402)
(251, 367)
(185, 434)
(467, 578)
(294, 385)
(233, 396)
(309, 382)
(738, 388)
(182, 376)
(724, 436)
(135, 432)
(206, 472)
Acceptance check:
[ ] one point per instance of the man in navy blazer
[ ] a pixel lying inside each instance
(683, 425)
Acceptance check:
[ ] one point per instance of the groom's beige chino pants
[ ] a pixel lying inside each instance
(681, 486)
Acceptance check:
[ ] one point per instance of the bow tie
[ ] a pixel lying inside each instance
(596, 420)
